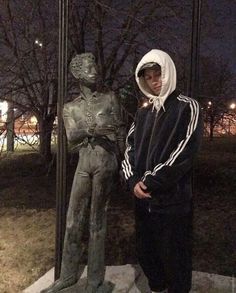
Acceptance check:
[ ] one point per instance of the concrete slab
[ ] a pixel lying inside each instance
(130, 279)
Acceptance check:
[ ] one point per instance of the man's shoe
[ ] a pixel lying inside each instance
(60, 284)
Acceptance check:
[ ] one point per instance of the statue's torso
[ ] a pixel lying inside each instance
(97, 110)
(100, 110)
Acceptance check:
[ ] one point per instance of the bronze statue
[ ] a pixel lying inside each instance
(94, 126)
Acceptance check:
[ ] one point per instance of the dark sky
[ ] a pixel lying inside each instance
(219, 30)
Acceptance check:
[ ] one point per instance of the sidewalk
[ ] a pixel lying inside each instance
(130, 279)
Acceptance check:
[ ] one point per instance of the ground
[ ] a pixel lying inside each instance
(27, 216)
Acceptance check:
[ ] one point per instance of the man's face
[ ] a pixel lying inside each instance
(152, 77)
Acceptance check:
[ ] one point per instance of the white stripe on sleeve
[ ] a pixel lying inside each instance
(126, 166)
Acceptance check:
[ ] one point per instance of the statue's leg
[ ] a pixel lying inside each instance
(103, 180)
(77, 216)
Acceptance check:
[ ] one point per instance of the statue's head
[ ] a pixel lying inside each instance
(83, 67)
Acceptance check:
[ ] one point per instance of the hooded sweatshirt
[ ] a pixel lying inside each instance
(163, 140)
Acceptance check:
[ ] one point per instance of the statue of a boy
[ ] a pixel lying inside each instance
(94, 126)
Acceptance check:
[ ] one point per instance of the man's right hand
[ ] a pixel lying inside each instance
(139, 190)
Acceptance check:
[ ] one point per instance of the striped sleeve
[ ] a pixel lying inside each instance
(181, 157)
(128, 164)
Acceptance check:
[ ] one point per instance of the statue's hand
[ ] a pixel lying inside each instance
(92, 129)
(105, 130)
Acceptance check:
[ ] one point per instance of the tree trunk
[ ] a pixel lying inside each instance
(10, 128)
(212, 125)
(45, 133)
(211, 131)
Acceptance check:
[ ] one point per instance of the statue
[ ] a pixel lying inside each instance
(93, 125)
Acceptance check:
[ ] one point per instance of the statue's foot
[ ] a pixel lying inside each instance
(60, 284)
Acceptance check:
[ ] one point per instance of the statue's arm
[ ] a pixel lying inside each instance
(73, 133)
(119, 122)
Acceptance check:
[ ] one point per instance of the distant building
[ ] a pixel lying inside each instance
(24, 123)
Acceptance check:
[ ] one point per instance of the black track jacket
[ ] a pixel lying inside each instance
(160, 150)
(163, 140)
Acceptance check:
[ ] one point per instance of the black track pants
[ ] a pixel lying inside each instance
(164, 248)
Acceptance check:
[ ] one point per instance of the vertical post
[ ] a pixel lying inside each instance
(195, 48)
(61, 145)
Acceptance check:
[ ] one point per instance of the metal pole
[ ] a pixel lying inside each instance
(195, 48)
(61, 145)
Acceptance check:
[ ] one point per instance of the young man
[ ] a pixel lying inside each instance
(161, 145)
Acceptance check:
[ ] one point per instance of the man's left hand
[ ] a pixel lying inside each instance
(139, 190)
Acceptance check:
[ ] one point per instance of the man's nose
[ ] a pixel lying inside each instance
(155, 80)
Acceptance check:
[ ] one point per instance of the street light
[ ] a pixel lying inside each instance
(37, 42)
(4, 109)
(209, 105)
(232, 106)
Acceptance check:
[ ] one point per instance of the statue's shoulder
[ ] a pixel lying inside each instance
(69, 106)
(114, 97)
(73, 102)
(109, 95)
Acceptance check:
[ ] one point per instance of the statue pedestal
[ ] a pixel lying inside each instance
(130, 279)
(80, 287)
(118, 279)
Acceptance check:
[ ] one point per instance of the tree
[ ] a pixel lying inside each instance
(118, 32)
(29, 62)
(216, 82)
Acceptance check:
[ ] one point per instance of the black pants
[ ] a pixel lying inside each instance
(164, 248)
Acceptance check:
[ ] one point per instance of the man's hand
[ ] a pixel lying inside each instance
(139, 190)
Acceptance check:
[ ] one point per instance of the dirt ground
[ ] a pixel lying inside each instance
(27, 217)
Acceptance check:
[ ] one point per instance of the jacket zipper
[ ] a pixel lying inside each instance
(149, 207)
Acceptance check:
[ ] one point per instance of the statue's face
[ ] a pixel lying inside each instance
(88, 71)
(84, 69)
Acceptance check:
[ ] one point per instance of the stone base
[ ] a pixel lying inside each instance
(130, 279)
(80, 287)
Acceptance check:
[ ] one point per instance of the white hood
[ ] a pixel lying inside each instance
(168, 76)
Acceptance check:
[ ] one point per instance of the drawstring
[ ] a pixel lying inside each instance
(157, 104)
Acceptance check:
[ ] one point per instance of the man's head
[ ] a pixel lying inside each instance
(155, 75)
(83, 67)
(151, 73)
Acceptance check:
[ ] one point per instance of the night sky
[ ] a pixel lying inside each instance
(221, 37)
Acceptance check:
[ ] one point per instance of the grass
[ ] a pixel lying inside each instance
(215, 207)
(27, 238)
(27, 216)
